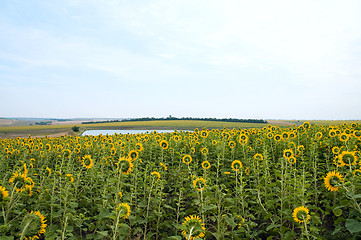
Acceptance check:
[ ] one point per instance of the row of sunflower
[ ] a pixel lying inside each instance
(297, 182)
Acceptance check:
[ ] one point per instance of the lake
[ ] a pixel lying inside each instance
(112, 132)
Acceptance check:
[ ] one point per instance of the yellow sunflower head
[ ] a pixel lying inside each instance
(206, 165)
(346, 158)
(156, 174)
(193, 227)
(301, 214)
(3, 194)
(258, 157)
(125, 165)
(33, 225)
(133, 155)
(331, 180)
(87, 161)
(123, 210)
(231, 144)
(204, 151)
(199, 184)
(287, 153)
(236, 165)
(187, 159)
(164, 144)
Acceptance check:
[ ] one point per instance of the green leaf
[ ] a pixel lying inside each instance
(337, 212)
(6, 238)
(353, 225)
(175, 238)
(271, 226)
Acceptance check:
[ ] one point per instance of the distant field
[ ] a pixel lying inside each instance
(65, 129)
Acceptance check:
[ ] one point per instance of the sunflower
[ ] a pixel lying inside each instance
(193, 227)
(301, 214)
(318, 135)
(227, 173)
(204, 133)
(70, 177)
(206, 165)
(285, 135)
(33, 225)
(125, 165)
(187, 159)
(156, 174)
(346, 158)
(331, 179)
(270, 135)
(214, 142)
(243, 139)
(277, 137)
(332, 133)
(164, 144)
(241, 221)
(87, 161)
(133, 154)
(201, 188)
(3, 193)
(246, 171)
(21, 182)
(113, 151)
(164, 166)
(287, 153)
(306, 125)
(236, 165)
(357, 172)
(232, 144)
(139, 147)
(258, 157)
(291, 160)
(344, 137)
(123, 210)
(204, 151)
(336, 150)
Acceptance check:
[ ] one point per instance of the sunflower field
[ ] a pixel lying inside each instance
(301, 182)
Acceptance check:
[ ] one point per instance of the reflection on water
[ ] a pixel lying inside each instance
(112, 132)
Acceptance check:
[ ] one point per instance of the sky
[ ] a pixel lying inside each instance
(259, 59)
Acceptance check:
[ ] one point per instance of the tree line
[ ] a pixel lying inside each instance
(183, 118)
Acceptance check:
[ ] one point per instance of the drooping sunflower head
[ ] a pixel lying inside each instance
(206, 165)
(331, 180)
(306, 125)
(346, 158)
(199, 184)
(187, 159)
(258, 157)
(193, 227)
(164, 166)
(87, 161)
(123, 210)
(236, 165)
(125, 165)
(301, 214)
(33, 225)
(3, 193)
(21, 181)
(156, 174)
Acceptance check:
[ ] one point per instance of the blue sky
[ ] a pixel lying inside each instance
(185, 58)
